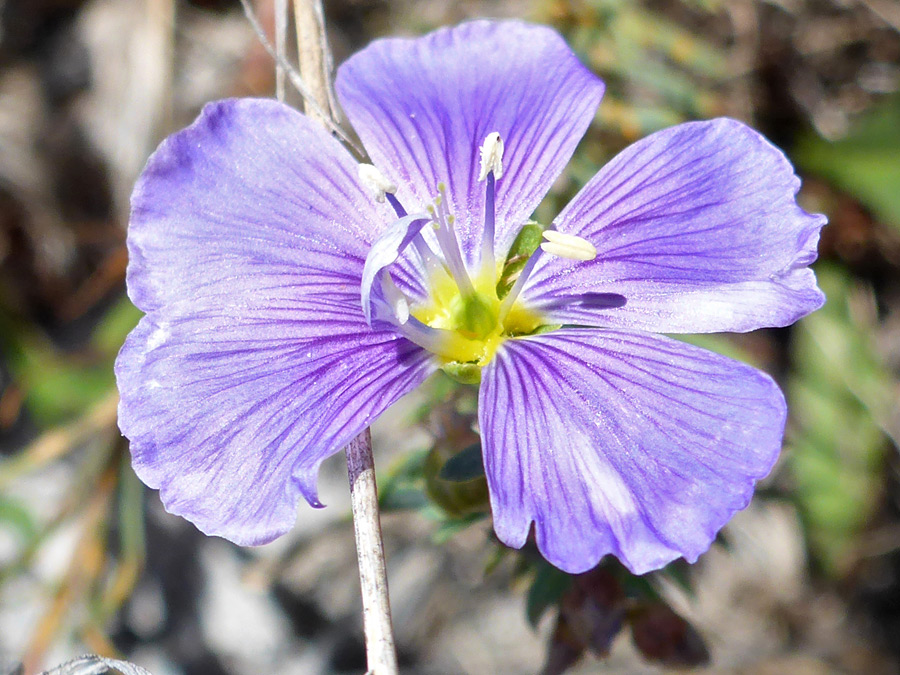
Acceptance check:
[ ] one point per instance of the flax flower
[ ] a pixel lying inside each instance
(292, 295)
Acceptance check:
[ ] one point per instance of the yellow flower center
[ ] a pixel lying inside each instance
(473, 325)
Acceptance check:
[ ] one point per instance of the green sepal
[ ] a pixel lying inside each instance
(546, 328)
(464, 373)
(524, 245)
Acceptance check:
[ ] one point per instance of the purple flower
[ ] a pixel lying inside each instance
(291, 297)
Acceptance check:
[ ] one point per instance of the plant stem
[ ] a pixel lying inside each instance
(315, 58)
(381, 654)
(281, 14)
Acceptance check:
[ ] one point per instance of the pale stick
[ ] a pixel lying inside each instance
(381, 655)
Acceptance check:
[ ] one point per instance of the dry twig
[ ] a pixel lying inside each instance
(381, 654)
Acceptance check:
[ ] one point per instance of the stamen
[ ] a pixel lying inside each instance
(435, 340)
(491, 170)
(385, 251)
(377, 182)
(446, 237)
(431, 262)
(558, 243)
(492, 156)
(568, 246)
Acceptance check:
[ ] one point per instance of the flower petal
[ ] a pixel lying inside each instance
(231, 419)
(251, 187)
(248, 237)
(423, 107)
(624, 443)
(697, 227)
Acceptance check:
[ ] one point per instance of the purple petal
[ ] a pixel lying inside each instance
(622, 443)
(424, 106)
(697, 227)
(231, 418)
(248, 237)
(252, 186)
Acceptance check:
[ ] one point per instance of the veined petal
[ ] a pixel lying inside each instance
(252, 188)
(697, 227)
(231, 420)
(622, 443)
(247, 241)
(423, 108)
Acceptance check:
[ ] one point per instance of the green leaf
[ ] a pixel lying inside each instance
(403, 499)
(866, 163)
(17, 516)
(115, 326)
(679, 573)
(720, 344)
(841, 401)
(547, 589)
(58, 385)
(457, 498)
(464, 373)
(403, 486)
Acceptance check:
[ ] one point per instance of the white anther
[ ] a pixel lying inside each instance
(399, 303)
(376, 181)
(568, 246)
(492, 156)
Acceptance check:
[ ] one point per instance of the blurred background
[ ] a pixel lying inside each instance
(807, 580)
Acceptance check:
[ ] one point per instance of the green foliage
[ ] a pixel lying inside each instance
(866, 163)
(110, 333)
(464, 373)
(57, 387)
(457, 496)
(450, 526)
(15, 516)
(547, 589)
(720, 344)
(657, 72)
(59, 384)
(840, 400)
(403, 485)
(444, 483)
